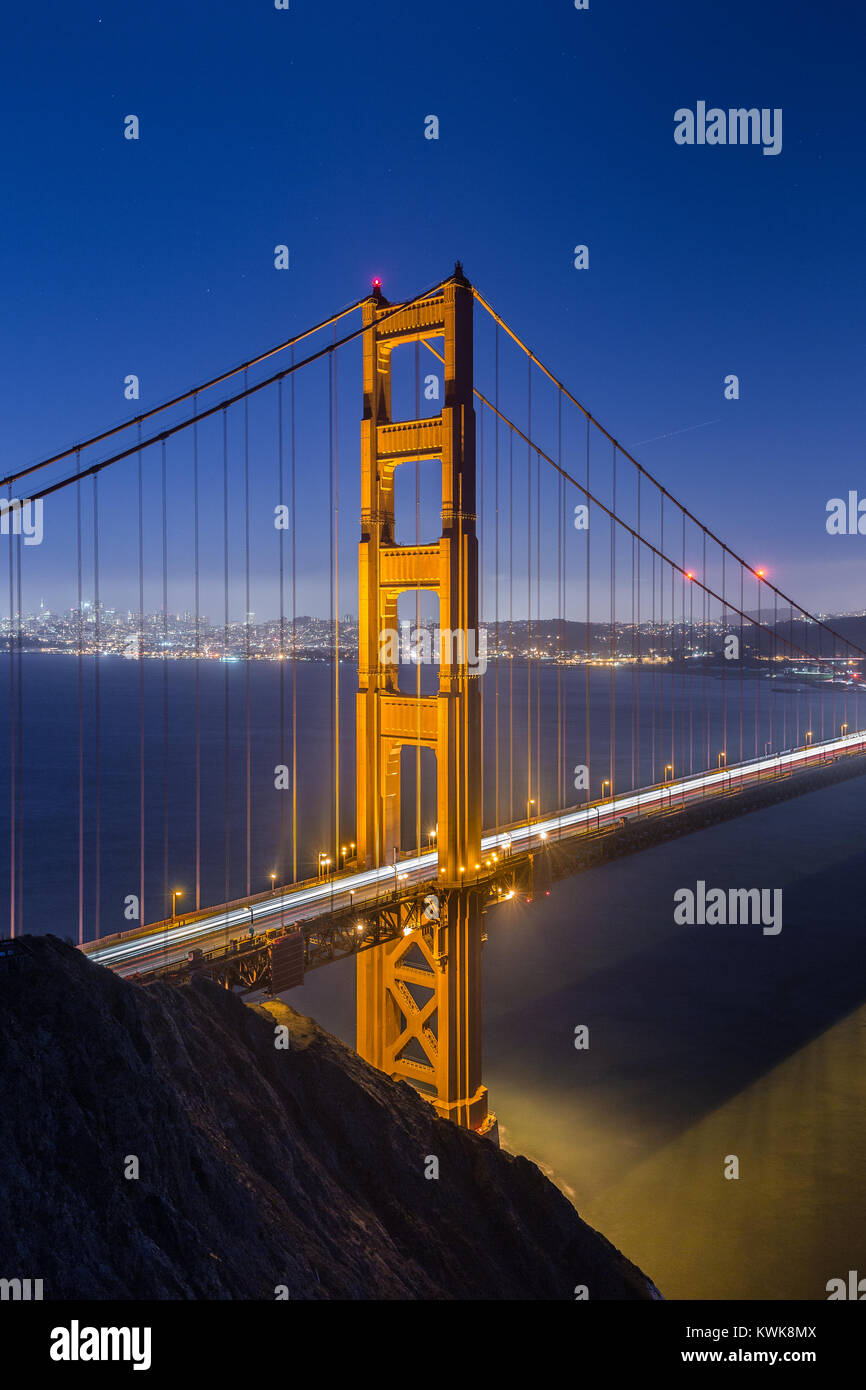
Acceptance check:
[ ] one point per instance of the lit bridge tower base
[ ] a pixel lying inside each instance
(419, 996)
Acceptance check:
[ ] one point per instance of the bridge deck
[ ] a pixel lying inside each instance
(154, 947)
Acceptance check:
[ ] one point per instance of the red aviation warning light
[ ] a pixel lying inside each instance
(690, 574)
(377, 283)
(760, 573)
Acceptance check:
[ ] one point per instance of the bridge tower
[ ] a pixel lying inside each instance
(419, 997)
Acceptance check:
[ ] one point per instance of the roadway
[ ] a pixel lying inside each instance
(166, 943)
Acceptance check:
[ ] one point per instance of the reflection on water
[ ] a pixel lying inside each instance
(704, 1042)
(795, 1217)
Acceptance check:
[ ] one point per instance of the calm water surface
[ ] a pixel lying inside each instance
(704, 1041)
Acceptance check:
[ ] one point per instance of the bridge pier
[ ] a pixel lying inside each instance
(419, 1011)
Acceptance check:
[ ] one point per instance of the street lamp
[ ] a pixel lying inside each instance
(178, 893)
(844, 729)
(605, 783)
(808, 737)
(669, 768)
(273, 883)
(722, 755)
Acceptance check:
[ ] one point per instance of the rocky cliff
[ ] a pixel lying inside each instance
(258, 1167)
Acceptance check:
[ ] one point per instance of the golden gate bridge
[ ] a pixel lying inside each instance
(585, 582)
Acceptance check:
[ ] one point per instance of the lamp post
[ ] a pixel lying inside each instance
(723, 756)
(178, 893)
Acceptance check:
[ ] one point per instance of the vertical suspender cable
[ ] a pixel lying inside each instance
(141, 912)
(226, 667)
(662, 631)
(705, 645)
(480, 511)
(538, 638)
(97, 714)
(633, 661)
(337, 856)
(13, 820)
(247, 650)
(758, 635)
(166, 889)
(511, 625)
(637, 667)
(281, 664)
(612, 644)
(19, 806)
(742, 661)
(497, 811)
(80, 712)
(197, 601)
(724, 658)
(588, 692)
(538, 782)
(294, 644)
(335, 666)
(529, 595)
(560, 514)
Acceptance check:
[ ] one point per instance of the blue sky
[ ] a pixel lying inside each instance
(306, 127)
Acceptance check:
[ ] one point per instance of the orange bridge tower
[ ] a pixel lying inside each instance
(419, 996)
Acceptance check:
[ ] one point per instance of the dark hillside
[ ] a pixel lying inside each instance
(258, 1167)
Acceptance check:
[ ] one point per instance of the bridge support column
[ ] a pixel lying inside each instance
(419, 997)
(419, 1011)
